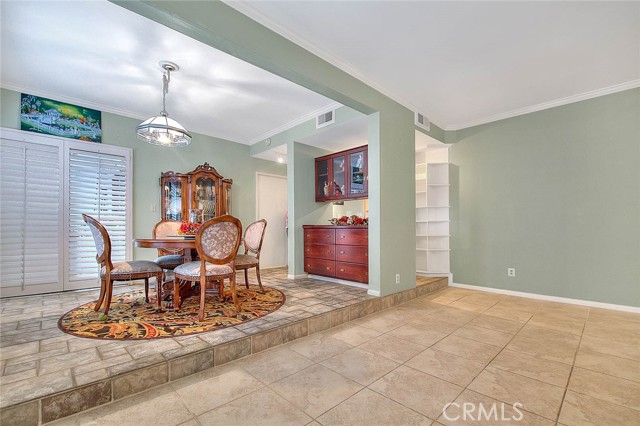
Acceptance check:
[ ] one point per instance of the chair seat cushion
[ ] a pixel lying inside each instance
(192, 270)
(246, 260)
(169, 261)
(133, 267)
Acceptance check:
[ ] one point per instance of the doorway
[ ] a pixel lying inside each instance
(271, 204)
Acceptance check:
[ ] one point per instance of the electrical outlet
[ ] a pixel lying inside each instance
(397, 278)
(153, 207)
(511, 272)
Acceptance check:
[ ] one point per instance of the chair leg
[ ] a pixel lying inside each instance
(159, 282)
(109, 294)
(246, 278)
(203, 292)
(232, 287)
(146, 290)
(103, 289)
(258, 275)
(176, 294)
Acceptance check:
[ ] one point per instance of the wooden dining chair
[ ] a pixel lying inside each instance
(253, 237)
(119, 271)
(168, 259)
(217, 243)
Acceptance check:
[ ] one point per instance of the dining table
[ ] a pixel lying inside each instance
(186, 242)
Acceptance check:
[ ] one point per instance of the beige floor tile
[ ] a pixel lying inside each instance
(469, 349)
(483, 335)
(384, 322)
(319, 347)
(521, 303)
(619, 331)
(607, 388)
(449, 367)
(576, 311)
(274, 364)
(554, 373)
(453, 315)
(391, 347)
(368, 408)
(353, 334)
(541, 333)
(432, 323)
(480, 298)
(36, 387)
(535, 396)
(418, 335)
(466, 306)
(225, 386)
(506, 313)
(558, 321)
(498, 324)
(545, 343)
(416, 390)
(315, 389)
(608, 364)
(263, 407)
(597, 314)
(156, 407)
(583, 410)
(481, 412)
(622, 350)
(360, 366)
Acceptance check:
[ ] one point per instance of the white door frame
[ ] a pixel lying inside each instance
(256, 186)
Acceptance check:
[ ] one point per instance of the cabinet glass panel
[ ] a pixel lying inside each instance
(356, 167)
(338, 177)
(322, 180)
(206, 197)
(228, 200)
(173, 200)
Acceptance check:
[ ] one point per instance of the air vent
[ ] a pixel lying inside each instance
(422, 121)
(325, 119)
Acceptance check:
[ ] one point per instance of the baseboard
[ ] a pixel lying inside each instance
(375, 293)
(295, 277)
(338, 281)
(568, 300)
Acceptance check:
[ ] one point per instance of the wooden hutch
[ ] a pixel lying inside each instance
(201, 189)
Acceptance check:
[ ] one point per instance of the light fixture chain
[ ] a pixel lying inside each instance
(165, 89)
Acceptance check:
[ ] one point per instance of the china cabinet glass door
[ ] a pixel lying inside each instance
(338, 189)
(322, 179)
(357, 174)
(173, 201)
(205, 197)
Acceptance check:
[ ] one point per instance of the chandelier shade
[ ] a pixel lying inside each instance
(162, 130)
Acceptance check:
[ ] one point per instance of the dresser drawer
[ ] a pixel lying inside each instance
(353, 254)
(352, 272)
(320, 267)
(353, 237)
(319, 236)
(320, 251)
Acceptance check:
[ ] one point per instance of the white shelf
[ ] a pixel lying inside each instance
(432, 210)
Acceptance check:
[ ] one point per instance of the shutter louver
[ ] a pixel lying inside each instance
(30, 208)
(97, 187)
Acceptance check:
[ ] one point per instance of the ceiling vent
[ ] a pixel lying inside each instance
(325, 119)
(422, 121)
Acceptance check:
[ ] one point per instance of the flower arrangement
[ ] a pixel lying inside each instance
(349, 220)
(188, 228)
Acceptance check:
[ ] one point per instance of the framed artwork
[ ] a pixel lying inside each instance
(51, 117)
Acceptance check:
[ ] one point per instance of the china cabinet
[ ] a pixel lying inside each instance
(199, 195)
(342, 175)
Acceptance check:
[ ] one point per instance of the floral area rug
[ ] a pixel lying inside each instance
(131, 318)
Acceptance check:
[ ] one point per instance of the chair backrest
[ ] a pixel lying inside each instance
(166, 228)
(218, 239)
(253, 237)
(101, 239)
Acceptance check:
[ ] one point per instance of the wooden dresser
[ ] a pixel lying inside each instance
(337, 251)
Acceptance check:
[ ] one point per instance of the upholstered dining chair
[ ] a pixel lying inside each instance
(119, 271)
(217, 243)
(253, 237)
(168, 259)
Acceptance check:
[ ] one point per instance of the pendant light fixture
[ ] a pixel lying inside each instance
(162, 130)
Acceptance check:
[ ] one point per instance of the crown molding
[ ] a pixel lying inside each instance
(293, 123)
(68, 99)
(546, 105)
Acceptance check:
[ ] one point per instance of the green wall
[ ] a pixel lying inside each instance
(230, 159)
(554, 194)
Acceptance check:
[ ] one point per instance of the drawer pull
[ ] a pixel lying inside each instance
(308, 266)
(341, 269)
(343, 236)
(328, 268)
(341, 251)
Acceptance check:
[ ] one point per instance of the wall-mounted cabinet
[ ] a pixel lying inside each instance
(342, 175)
(202, 189)
(432, 211)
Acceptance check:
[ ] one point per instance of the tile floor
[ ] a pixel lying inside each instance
(540, 363)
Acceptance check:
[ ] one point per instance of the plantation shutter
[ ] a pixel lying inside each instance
(30, 217)
(98, 187)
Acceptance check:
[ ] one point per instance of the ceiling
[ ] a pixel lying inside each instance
(100, 55)
(458, 63)
(467, 63)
